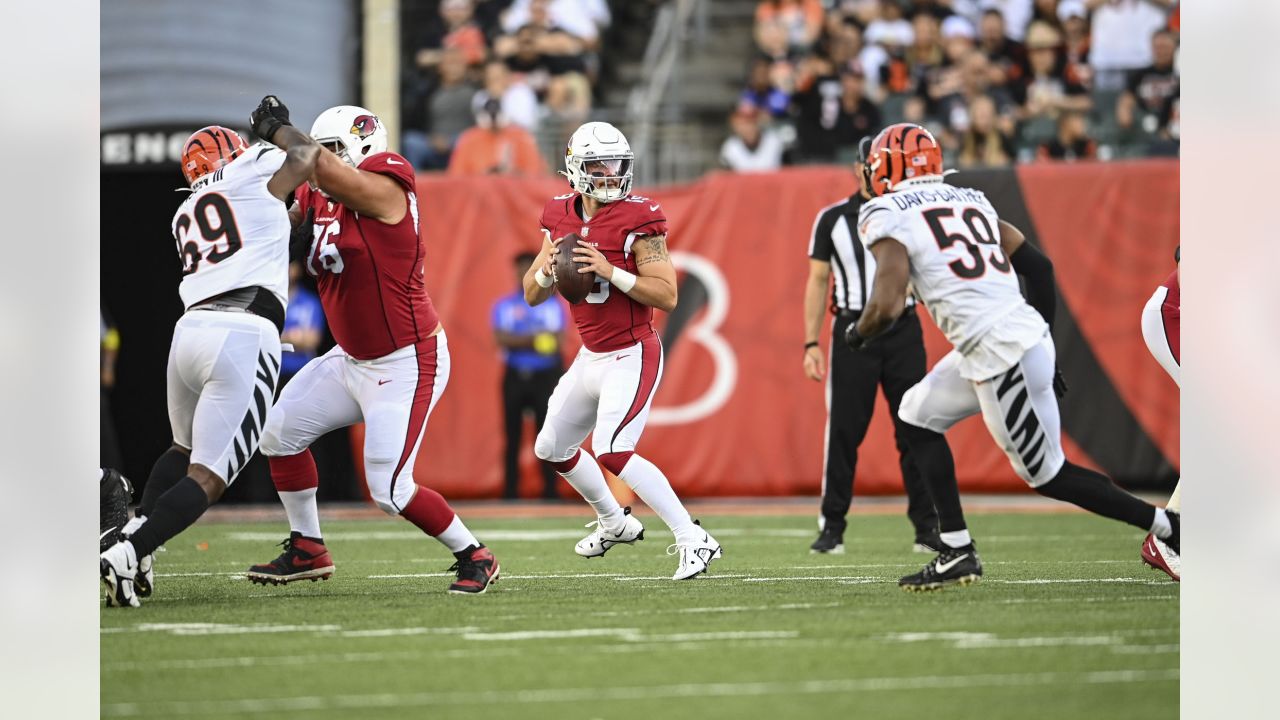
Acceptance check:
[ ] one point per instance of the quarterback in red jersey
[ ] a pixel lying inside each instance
(391, 363)
(609, 388)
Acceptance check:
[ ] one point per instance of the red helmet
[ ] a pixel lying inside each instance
(902, 152)
(208, 149)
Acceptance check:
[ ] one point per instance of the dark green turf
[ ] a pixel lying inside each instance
(1067, 623)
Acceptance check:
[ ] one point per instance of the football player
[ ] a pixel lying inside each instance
(609, 388)
(391, 363)
(1162, 331)
(233, 240)
(949, 244)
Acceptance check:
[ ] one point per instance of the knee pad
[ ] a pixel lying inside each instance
(615, 461)
(377, 476)
(545, 447)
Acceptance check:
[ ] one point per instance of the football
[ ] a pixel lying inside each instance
(573, 285)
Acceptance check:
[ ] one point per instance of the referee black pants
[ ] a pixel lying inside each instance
(894, 361)
(526, 391)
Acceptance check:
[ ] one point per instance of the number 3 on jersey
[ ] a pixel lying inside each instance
(215, 220)
(980, 233)
(600, 292)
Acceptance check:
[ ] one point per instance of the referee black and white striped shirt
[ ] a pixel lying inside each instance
(835, 240)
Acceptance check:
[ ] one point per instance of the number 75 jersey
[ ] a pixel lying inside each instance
(232, 232)
(959, 271)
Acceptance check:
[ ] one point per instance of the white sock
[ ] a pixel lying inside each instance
(1175, 500)
(1160, 527)
(457, 537)
(587, 478)
(651, 486)
(304, 516)
(956, 538)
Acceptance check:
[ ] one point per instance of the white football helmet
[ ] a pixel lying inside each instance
(357, 132)
(605, 149)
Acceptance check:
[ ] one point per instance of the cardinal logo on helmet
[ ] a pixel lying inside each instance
(363, 126)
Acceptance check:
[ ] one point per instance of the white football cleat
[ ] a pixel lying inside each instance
(118, 566)
(600, 541)
(695, 558)
(144, 580)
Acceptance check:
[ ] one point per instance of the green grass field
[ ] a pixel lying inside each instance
(1067, 623)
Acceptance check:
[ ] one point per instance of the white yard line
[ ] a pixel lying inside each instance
(365, 703)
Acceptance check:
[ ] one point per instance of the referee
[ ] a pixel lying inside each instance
(896, 361)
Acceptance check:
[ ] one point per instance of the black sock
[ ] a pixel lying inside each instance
(1096, 493)
(174, 512)
(167, 471)
(932, 456)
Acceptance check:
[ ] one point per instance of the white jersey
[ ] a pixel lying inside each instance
(232, 233)
(958, 270)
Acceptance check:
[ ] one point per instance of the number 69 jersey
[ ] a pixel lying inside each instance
(959, 271)
(232, 232)
(608, 319)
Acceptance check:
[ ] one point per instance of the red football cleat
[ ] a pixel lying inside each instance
(1155, 556)
(476, 567)
(302, 559)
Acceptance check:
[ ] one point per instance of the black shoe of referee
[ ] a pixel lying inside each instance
(952, 566)
(828, 541)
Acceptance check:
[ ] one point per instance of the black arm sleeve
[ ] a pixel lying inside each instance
(1042, 293)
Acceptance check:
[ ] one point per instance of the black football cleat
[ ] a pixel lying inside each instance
(114, 495)
(829, 541)
(476, 568)
(952, 566)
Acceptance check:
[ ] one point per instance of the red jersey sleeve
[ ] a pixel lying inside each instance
(391, 165)
(646, 217)
(554, 211)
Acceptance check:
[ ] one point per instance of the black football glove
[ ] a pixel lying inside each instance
(853, 338)
(1060, 387)
(268, 117)
(301, 237)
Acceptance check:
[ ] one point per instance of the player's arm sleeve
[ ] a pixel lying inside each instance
(651, 222)
(820, 246)
(876, 221)
(394, 167)
(267, 159)
(1037, 269)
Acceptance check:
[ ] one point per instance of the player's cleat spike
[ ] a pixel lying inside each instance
(828, 541)
(1160, 556)
(695, 558)
(118, 566)
(476, 568)
(600, 540)
(303, 559)
(952, 566)
(930, 543)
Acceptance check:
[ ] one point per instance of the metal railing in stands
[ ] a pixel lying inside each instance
(661, 62)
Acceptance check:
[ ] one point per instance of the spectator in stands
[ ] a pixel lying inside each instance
(1072, 142)
(1150, 89)
(1121, 36)
(859, 116)
(448, 109)
(1015, 14)
(1074, 19)
(983, 144)
(495, 146)
(975, 81)
(303, 326)
(1046, 11)
(583, 19)
(800, 20)
(750, 147)
(893, 70)
(925, 56)
(843, 39)
(771, 40)
(519, 103)
(762, 92)
(1046, 91)
(460, 32)
(958, 38)
(1008, 57)
(834, 113)
(1168, 135)
(939, 10)
(552, 62)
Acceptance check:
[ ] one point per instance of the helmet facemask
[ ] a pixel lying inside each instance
(605, 178)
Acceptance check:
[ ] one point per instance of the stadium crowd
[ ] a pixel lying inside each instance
(997, 81)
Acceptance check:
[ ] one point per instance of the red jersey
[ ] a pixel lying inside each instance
(608, 319)
(370, 274)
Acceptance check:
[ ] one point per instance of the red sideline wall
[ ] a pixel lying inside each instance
(735, 414)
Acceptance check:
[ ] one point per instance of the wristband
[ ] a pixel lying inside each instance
(622, 280)
(544, 280)
(811, 344)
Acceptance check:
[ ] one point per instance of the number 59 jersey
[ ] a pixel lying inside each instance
(959, 271)
(232, 232)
